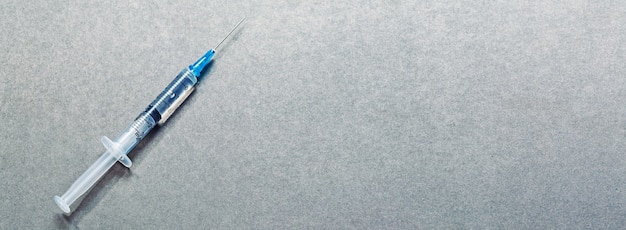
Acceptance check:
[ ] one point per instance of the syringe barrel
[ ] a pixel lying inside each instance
(159, 110)
(156, 113)
(174, 94)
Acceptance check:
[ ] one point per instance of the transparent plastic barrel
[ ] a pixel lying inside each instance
(117, 150)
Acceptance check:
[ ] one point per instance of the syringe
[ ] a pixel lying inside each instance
(156, 113)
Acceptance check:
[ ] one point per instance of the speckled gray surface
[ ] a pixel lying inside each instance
(347, 114)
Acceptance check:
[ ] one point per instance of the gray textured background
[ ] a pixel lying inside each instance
(322, 114)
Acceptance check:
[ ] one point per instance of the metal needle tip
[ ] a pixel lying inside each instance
(231, 31)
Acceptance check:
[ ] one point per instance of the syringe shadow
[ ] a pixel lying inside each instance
(93, 197)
